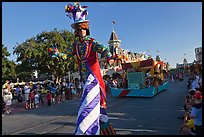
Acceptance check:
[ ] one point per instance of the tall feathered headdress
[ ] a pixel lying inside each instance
(77, 12)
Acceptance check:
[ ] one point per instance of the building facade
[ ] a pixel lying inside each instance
(198, 54)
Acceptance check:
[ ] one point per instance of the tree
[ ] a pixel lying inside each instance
(33, 53)
(8, 67)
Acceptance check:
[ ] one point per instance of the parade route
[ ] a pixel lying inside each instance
(129, 116)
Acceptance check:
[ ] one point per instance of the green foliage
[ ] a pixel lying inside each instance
(33, 53)
(8, 67)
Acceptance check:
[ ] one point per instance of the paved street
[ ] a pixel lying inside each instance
(129, 116)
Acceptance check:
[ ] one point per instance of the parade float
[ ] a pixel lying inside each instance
(145, 78)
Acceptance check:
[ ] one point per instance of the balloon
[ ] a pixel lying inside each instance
(50, 49)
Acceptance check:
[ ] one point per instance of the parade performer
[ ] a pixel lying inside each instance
(92, 118)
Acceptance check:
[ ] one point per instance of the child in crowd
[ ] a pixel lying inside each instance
(49, 98)
(37, 99)
(188, 128)
(73, 90)
(32, 99)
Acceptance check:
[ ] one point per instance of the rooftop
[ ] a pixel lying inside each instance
(113, 36)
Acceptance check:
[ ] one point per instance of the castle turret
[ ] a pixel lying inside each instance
(114, 43)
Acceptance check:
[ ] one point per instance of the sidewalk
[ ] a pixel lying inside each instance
(19, 107)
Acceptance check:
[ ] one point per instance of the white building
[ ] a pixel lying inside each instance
(198, 54)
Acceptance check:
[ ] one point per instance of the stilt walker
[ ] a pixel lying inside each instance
(92, 118)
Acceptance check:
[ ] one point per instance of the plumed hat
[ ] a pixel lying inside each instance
(78, 13)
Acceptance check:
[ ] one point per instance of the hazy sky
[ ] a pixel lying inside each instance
(172, 28)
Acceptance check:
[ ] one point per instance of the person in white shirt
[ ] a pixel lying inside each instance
(194, 84)
(27, 91)
(8, 101)
(6, 88)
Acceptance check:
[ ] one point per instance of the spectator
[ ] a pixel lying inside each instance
(6, 87)
(187, 106)
(73, 90)
(8, 101)
(18, 89)
(32, 99)
(63, 89)
(58, 93)
(49, 98)
(180, 76)
(38, 86)
(69, 88)
(18, 92)
(27, 100)
(195, 84)
(53, 92)
(197, 78)
(77, 88)
(189, 83)
(191, 93)
(15, 98)
(80, 88)
(196, 112)
(188, 128)
(37, 99)
(41, 95)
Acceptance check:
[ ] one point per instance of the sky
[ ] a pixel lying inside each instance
(174, 29)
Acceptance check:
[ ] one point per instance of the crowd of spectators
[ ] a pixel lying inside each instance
(31, 96)
(192, 117)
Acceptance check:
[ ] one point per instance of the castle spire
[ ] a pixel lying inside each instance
(113, 42)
